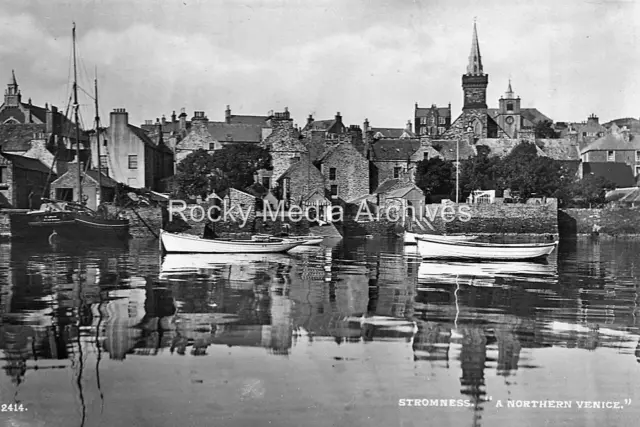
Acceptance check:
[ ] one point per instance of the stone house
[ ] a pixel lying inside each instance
(286, 148)
(263, 195)
(346, 172)
(614, 148)
(240, 200)
(300, 180)
(395, 158)
(130, 156)
(23, 181)
(24, 125)
(66, 186)
(396, 193)
(433, 121)
(331, 129)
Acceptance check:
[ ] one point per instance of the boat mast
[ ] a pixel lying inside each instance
(76, 107)
(98, 144)
(457, 169)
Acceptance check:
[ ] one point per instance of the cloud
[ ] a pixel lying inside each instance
(369, 59)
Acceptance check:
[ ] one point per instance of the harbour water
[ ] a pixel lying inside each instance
(349, 334)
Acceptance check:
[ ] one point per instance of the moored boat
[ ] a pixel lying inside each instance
(410, 238)
(434, 248)
(184, 243)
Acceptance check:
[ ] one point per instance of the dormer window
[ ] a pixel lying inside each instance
(611, 156)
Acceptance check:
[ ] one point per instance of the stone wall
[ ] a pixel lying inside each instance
(497, 218)
(304, 178)
(197, 138)
(5, 226)
(151, 216)
(458, 128)
(608, 221)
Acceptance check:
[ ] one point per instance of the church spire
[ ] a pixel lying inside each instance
(13, 82)
(509, 93)
(475, 60)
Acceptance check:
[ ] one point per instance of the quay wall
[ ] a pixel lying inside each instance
(489, 219)
(611, 221)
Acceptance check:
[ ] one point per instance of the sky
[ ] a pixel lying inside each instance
(363, 58)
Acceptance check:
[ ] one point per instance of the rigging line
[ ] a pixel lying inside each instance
(99, 349)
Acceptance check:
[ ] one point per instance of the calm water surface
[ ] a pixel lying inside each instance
(329, 336)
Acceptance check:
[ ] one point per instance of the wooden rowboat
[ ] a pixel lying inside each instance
(410, 238)
(184, 243)
(434, 248)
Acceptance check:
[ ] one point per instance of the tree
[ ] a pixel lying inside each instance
(588, 192)
(544, 129)
(479, 172)
(239, 162)
(435, 176)
(197, 175)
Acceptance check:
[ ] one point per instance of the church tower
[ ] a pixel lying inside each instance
(12, 95)
(474, 86)
(509, 118)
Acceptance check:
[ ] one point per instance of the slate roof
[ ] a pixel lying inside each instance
(27, 163)
(448, 149)
(394, 149)
(619, 173)
(17, 137)
(559, 149)
(631, 123)
(426, 111)
(614, 142)
(144, 137)
(225, 132)
(391, 184)
(257, 190)
(248, 120)
(530, 116)
(107, 181)
(391, 133)
(402, 191)
(502, 147)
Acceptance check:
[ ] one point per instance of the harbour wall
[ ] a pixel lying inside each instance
(481, 219)
(610, 221)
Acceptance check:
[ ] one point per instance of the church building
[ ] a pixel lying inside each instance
(509, 120)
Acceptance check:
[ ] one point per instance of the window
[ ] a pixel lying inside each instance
(637, 170)
(509, 106)
(432, 121)
(396, 172)
(441, 121)
(212, 146)
(266, 182)
(637, 158)
(133, 161)
(104, 161)
(611, 156)
(64, 194)
(584, 134)
(334, 191)
(425, 156)
(332, 174)
(423, 120)
(440, 130)
(3, 174)
(423, 130)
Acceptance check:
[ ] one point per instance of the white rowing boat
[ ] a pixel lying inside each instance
(433, 248)
(410, 238)
(184, 243)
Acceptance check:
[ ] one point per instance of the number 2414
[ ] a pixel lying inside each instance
(11, 408)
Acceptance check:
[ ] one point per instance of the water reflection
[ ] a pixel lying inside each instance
(67, 311)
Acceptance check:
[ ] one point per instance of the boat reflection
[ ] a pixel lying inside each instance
(486, 273)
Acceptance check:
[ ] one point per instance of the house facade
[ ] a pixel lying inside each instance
(66, 186)
(396, 159)
(23, 181)
(130, 156)
(619, 147)
(346, 172)
(433, 121)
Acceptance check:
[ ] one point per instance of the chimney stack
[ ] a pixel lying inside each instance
(173, 116)
(409, 126)
(119, 119)
(310, 119)
(227, 114)
(183, 119)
